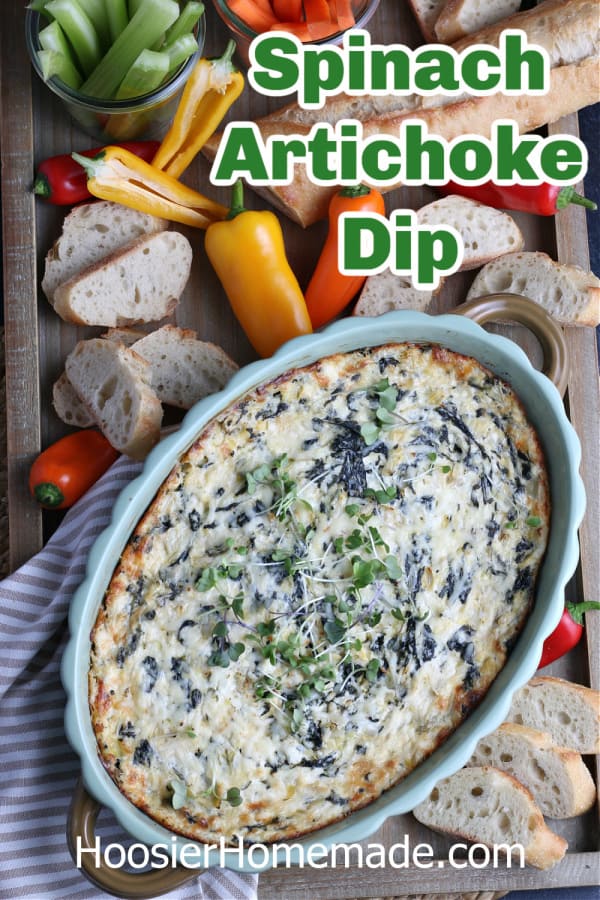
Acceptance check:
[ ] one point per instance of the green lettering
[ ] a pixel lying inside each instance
(281, 151)
(438, 251)
(379, 160)
(435, 69)
(323, 69)
(403, 259)
(364, 242)
(470, 159)
(534, 58)
(513, 164)
(562, 159)
(274, 68)
(241, 153)
(414, 150)
(380, 62)
(320, 146)
(472, 64)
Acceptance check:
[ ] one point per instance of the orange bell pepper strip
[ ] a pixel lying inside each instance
(118, 175)
(247, 252)
(329, 291)
(209, 92)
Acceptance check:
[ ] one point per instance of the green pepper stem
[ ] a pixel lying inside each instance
(41, 186)
(568, 195)
(48, 494)
(91, 166)
(229, 51)
(355, 190)
(237, 200)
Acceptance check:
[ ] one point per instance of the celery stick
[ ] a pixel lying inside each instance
(180, 50)
(39, 6)
(55, 65)
(79, 30)
(152, 18)
(96, 10)
(190, 14)
(116, 11)
(145, 75)
(134, 5)
(52, 37)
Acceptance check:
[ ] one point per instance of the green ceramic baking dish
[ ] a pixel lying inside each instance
(543, 404)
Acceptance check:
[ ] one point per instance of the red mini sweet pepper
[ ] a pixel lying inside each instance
(62, 181)
(540, 199)
(567, 633)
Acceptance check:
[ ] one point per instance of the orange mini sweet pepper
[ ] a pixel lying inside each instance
(247, 252)
(118, 175)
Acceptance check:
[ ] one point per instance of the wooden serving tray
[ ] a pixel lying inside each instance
(35, 126)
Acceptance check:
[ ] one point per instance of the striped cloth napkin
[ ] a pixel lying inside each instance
(39, 769)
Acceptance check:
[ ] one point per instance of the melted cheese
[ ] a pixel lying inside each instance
(323, 587)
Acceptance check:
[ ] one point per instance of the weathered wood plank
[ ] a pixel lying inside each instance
(20, 278)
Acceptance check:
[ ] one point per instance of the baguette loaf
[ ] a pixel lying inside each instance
(114, 383)
(557, 777)
(485, 805)
(91, 232)
(139, 283)
(569, 712)
(568, 293)
(461, 17)
(567, 30)
(486, 233)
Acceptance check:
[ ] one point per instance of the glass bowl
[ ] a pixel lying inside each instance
(147, 116)
(244, 35)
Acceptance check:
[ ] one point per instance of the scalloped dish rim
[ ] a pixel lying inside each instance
(507, 360)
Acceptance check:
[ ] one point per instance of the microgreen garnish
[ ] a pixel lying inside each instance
(179, 794)
(533, 521)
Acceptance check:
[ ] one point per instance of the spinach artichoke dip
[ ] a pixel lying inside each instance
(325, 585)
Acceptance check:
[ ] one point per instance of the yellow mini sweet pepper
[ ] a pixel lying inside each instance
(118, 175)
(248, 254)
(209, 92)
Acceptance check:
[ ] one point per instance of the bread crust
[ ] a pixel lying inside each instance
(542, 847)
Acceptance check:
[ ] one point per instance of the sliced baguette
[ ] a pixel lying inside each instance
(557, 777)
(484, 805)
(184, 369)
(486, 233)
(142, 282)
(91, 232)
(426, 13)
(461, 17)
(385, 292)
(67, 404)
(569, 294)
(114, 383)
(127, 336)
(569, 712)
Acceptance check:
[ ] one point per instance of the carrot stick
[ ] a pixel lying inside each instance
(252, 14)
(316, 11)
(343, 14)
(306, 33)
(288, 10)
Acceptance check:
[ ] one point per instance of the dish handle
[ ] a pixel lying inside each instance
(516, 308)
(81, 824)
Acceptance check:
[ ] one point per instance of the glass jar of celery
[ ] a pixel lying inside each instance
(119, 66)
